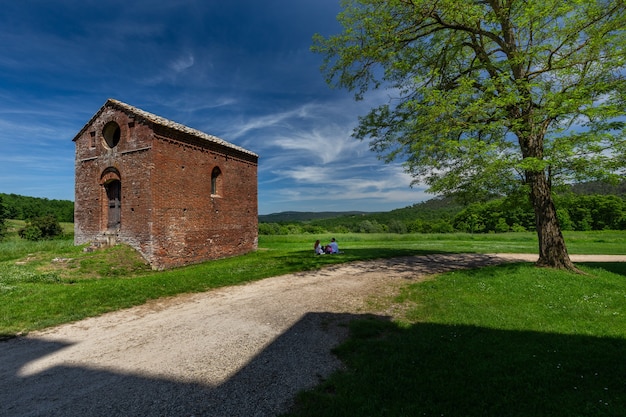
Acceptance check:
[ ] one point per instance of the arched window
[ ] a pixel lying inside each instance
(216, 181)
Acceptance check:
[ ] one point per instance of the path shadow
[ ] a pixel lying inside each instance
(425, 369)
(410, 265)
(298, 359)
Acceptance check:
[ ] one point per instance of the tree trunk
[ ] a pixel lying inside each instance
(552, 249)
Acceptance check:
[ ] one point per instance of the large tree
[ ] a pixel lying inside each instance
(490, 96)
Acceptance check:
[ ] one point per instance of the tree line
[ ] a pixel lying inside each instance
(18, 207)
(577, 212)
(42, 216)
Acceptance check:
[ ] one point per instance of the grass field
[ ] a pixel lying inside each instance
(50, 282)
(511, 340)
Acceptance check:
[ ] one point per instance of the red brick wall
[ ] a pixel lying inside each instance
(191, 224)
(167, 212)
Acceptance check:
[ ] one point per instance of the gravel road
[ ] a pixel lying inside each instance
(238, 351)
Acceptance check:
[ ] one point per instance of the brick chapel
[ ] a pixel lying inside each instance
(175, 194)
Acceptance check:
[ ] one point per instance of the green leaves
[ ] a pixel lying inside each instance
(486, 88)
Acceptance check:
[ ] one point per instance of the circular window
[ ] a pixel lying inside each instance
(111, 133)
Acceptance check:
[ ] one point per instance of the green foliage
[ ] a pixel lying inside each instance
(46, 227)
(23, 208)
(600, 188)
(484, 93)
(488, 98)
(31, 232)
(396, 226)
(575, 212)
(501, 215)
(425, 217)
(3, 224)
(297, 216)
(595, 212)
(370, 226)
(582, 212)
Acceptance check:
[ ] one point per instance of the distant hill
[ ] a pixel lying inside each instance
(600, 188)
(22, 208)
(305, 216)
(432, 209)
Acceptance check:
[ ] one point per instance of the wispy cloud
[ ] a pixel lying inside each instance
(239, 70)
(281, 119)
(182, 63)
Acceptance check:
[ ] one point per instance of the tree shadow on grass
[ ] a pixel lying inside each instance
(614, 267)
(407, 263)
(443, 370)
(308, 260)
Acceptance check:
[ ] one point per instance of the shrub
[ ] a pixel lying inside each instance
(396, 226)
(442, 226)
(45, 227)
(501, 226)
(31, 232)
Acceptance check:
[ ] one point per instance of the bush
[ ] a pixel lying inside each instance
(442, 226)
(269, 229)
(46, 227)
(501, 226)
(372, 226)
(396, 226)
(31, 232)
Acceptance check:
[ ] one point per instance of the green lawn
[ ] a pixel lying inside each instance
(510, 340)
(51, 282)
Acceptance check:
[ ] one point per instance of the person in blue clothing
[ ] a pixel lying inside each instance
(332, 247)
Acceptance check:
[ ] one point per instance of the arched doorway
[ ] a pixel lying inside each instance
(114, 196)
(111, 182)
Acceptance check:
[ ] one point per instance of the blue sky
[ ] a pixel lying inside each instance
(240, 70)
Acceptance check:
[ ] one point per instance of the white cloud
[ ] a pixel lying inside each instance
(269, 121)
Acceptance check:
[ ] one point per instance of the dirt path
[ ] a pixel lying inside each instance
(237, 351)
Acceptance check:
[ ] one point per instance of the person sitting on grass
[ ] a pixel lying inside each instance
(318, 248)
(332, 247)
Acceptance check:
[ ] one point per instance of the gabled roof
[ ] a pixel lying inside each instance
(142, 115)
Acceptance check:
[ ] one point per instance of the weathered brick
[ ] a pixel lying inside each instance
(170, 208)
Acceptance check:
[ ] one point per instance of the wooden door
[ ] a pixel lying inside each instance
(114, 196)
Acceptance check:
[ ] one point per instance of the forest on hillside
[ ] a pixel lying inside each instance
(591, 206)
(18, 207)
